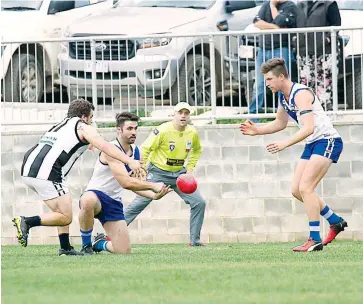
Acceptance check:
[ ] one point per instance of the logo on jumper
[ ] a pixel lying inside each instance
(171, 145)
(188, 146)
(289, 107)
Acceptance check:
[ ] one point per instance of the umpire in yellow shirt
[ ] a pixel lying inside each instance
(165, 152)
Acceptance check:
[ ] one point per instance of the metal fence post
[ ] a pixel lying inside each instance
(334, 69)
(213, 77)
(94, 77)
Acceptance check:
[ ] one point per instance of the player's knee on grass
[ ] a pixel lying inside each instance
(118, 233)
(121, 249)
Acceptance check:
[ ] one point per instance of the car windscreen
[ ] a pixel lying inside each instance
(20, 5)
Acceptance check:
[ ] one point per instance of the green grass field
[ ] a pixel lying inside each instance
(219, 273)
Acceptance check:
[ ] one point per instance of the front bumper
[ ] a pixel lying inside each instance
(143, 75)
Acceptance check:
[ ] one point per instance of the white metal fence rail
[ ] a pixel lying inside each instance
(214, 72)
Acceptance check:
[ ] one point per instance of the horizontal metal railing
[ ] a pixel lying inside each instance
(214, 72)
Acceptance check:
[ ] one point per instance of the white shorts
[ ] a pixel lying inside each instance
(46, 189)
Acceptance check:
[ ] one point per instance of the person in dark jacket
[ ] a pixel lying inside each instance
(273, 15)
(314, 58)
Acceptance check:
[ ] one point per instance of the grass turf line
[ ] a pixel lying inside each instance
(219, 273)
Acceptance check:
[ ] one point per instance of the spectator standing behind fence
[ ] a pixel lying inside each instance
(273, 15)
(315, 57)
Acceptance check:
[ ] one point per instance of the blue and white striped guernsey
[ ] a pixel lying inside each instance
(323, 129)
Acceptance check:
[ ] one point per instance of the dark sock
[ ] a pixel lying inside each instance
(64, 241)
(32, 221)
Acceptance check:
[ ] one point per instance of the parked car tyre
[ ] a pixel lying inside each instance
(357, 97)
(24, 80)
(194, 84)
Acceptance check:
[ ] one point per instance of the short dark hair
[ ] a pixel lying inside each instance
(275, 65)
(121, 118)
(80, 107)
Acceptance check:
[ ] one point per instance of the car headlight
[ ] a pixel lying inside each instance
(153, 42)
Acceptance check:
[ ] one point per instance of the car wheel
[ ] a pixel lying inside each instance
(24, 80)
(194, 84)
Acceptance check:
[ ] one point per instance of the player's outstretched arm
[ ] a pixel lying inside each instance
(130, 183)
(94, 138)
(280, 123)
(155, 196)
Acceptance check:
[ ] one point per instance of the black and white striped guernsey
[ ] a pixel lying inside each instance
(54, 155)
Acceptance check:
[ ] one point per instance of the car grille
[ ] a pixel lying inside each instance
(105, 50)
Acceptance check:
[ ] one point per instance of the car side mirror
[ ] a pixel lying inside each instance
(232, 5)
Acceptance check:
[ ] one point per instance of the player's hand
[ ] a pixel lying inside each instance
(189, 171)
(248, 128)
(157, 187)
(140, 174)
(134, 164)
(164, 191)
(276, 147)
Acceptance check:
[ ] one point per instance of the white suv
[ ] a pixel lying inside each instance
(26, 70)
(151, 67)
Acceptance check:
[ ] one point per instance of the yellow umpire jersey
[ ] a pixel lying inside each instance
(168, 148)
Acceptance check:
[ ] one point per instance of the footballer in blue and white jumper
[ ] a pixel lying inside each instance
(323, 147)
(102, 198)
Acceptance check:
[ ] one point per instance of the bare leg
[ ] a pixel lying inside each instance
(314, 171)
(300, 168)
(61, 214)
(118, 233)
(90, 205)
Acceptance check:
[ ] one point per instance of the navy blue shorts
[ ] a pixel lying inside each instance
(111, 210)
(329, 148)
